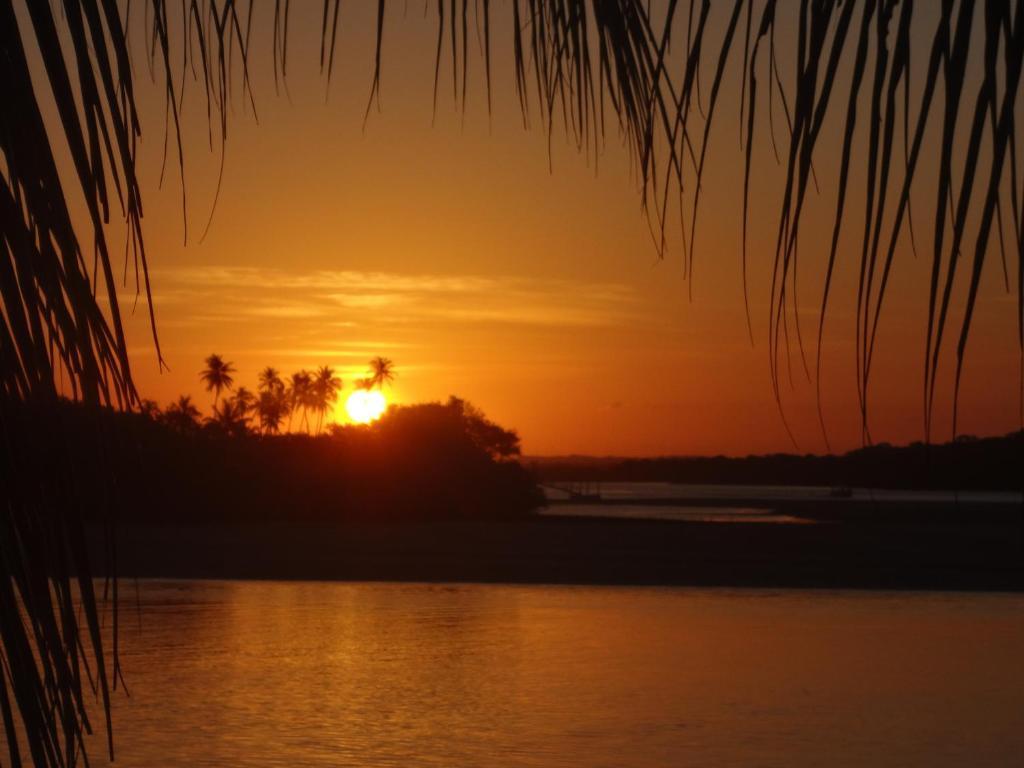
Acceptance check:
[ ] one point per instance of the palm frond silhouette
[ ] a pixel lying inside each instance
(300, 396)
(382, 371)
(217, 376)
(581, 63)
(325, 389)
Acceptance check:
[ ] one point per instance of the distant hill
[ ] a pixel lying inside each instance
(574, 460)
(968, 463)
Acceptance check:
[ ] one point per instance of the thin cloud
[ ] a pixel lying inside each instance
(330, 280)
(287, 311)
(338, 298)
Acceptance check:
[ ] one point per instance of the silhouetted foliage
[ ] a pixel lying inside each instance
(272, 404)
(217, 376)
(325, 389)
(182, 416)
(427, 461)
(231, 417)
(300, 397)
(271, 407)
(994, 463)
(382, 371)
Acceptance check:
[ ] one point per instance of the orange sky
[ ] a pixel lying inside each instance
(537, 294)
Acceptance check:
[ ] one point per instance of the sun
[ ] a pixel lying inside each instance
(365, 406)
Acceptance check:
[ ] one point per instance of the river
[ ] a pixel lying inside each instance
(249, 673)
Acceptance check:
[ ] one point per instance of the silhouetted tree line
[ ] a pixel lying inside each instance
(301, 401)
(968, 463)
(431, 460)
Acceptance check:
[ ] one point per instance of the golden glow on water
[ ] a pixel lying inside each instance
(364, 406)
(360, 674)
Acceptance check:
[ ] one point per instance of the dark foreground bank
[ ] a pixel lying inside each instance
(871, 554)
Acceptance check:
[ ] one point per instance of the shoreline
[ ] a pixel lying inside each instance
(549, 549)
(885, 506)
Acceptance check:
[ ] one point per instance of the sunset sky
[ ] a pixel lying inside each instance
(523, 281)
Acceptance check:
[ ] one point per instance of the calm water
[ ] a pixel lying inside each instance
(329, 674)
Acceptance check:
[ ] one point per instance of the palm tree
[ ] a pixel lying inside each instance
(382, 371)
(182, 416)
(244, 400)
(644, 87)
(325, 392)
(217, 376)
(300, 386)
(230, 417)
(271, 407)
(273, 401)
(270, 380)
